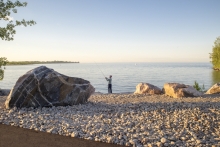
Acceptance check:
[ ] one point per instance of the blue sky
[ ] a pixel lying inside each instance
(115, 31)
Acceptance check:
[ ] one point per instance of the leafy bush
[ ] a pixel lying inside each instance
(215, 55)
(198, 88)
(6, 9)
(3, 62)
(1, 74)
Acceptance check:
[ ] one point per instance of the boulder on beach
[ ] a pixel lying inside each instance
(177, 90)
(44, 87)
(214, 89)
(146, 88)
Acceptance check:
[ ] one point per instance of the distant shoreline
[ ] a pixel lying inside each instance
(38, 62)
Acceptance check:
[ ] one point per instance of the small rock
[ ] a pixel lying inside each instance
(109, 139)
(172, 143)
(163, 140)
(198, 141)
(127, 144)
(74, 134)
(159, 144)
(183, 138)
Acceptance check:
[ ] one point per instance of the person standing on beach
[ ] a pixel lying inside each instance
(109, 83)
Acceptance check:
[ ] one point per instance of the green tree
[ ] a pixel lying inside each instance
(215, 55)
(6, 8)
(196, 86)
(3, 62)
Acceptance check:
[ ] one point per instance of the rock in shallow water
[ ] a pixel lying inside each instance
(44, 87)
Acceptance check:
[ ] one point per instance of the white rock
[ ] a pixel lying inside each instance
(74, 134)
(163, 140)
(109, 139)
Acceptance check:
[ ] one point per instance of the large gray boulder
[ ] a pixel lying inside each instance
(44, 87)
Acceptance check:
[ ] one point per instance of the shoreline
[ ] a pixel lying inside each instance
(34, 63)
(128, 119)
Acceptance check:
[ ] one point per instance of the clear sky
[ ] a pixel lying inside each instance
(115, 31)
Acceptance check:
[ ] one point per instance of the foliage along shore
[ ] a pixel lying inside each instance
(37, 62)
(216, 69)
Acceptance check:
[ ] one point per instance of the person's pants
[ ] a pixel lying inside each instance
(109, 88)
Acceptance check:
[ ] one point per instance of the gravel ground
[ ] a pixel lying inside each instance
(128, 119)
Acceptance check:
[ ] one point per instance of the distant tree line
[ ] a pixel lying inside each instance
(36, 62)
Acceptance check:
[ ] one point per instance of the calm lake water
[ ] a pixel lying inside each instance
(125, 75)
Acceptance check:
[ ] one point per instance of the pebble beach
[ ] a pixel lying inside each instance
(127, 119)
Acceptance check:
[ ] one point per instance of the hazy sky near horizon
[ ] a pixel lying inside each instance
(115, 31)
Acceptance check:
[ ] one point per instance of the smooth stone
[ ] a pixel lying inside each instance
(74, 134)
(163, 140)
